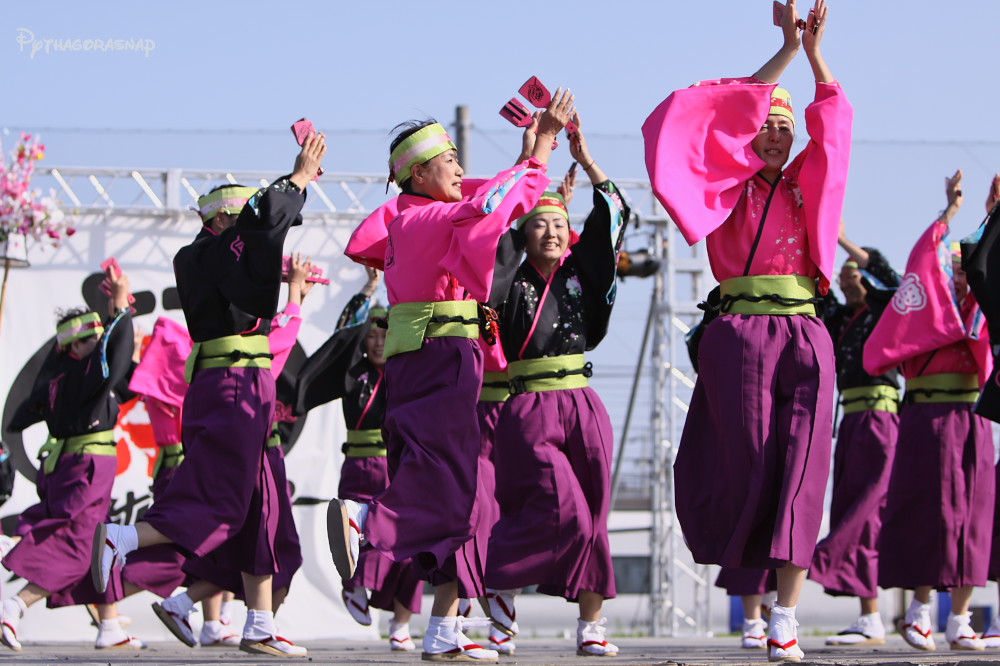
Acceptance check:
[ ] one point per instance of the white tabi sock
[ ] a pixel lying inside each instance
(916, 606)
(259, 625)
(128, 540)
(14, 609)
(110, 633)
(181, 604)
(226, 614)
(788, 611)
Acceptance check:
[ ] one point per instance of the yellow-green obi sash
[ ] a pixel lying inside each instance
(232, 351)
(168, 456)
(943, 387)
(410, 323)
(364, 444)
(275, 438)
(878, 398)
(769, 295)
(496, 387)
(549, 374)
(94, 443)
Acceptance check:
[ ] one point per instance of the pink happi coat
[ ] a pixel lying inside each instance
(703, 170)
(160, 373)
(924, 316)
(457, 241)
(369, 241)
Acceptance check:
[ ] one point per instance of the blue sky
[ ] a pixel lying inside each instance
(224, 81)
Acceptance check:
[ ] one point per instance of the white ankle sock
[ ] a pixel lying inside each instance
(14, 608)
(179, 603)
(787, 611)
(128, 539)
(259, 625)
(917, 605)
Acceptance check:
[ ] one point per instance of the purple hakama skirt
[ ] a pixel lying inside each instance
(995, 550)
(938, 518)
(553, 467)
(157, 569)
(225, 490)
(846, 561)
(753, 462)
(361, 479)
(428, 512)
(744, 582)
(214, 568)
(57, 534)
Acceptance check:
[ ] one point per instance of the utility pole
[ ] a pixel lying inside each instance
(463, 131)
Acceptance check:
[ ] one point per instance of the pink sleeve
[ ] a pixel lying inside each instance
(160, 373)
(368, 242)
(370, 239)
(822, 173)
(479, 222)
(284, 331)
(698, 152)
(922, 315)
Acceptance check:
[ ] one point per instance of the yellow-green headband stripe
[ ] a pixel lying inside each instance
(424, 144)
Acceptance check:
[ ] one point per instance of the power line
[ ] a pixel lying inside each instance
(485, 133)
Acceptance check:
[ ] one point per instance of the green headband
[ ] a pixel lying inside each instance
(229, 199)
(378, 313)
(77, 328)
(550, 202)
(423, 145)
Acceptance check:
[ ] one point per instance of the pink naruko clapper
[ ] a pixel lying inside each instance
(315, 275)
(535, 92)
(517, 113)
(302, 129)
(109, 265)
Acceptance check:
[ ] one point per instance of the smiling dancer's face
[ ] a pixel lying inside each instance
(773, 142)
(440, 177)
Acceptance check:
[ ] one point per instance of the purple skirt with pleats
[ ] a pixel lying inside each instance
(938, 519)
(553, 465)
(361, 479)
(214, 566)
(225, 490)
(157, 568)
(57, 534)
(846, 561)
(743, 582)
(428, 512)
(754, 457)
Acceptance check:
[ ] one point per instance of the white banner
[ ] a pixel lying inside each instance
(144, 247)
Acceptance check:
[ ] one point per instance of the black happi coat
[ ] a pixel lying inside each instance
(339, 370)
(981, 261)
(229, 283)
(850, 330)
(76, 396)
(579, 294)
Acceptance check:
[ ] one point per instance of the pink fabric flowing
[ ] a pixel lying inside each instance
(451, 247)
(160, 373)
(369, 241)
(700, 162)
(924, 314)
(284, 331)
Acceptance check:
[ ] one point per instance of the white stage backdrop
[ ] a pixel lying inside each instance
(145, 247)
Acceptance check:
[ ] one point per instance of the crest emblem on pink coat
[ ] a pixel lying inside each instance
(237, 247)
(911, 295)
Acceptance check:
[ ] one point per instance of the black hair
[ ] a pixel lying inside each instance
(63, 316)
(403, 130)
